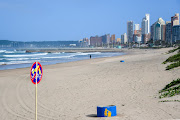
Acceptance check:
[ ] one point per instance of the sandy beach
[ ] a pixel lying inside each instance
(72, 91)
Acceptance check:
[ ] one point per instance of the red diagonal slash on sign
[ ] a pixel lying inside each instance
(35, 73)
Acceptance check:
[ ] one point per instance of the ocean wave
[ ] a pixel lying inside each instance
(90, 53)
(56, 53)
(59, 57)
(2, 51)
(9, 52)
(17, 62)
(17, 58)
(14, 51)
(29, 55)
(19, 51)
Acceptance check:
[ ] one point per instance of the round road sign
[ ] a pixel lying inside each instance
(36, 70)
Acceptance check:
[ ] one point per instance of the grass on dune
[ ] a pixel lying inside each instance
(170, 89)
(173, 65)
(174, 60)
(171, 51)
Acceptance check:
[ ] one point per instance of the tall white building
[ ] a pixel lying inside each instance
(124, 38)
(136, 27)
(145, 24)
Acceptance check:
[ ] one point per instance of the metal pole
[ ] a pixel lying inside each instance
(36, 90)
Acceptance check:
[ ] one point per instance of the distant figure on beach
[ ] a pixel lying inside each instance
(90, 56)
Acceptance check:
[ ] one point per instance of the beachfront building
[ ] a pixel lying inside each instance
(137, 38)
(113, 38)
(96, 41)
(118, 40)
(145, 32)
(145, 24)
(106, 39)
(137, 34)
(163, 34)
(157, 30)
(85, 42)
(124, 38)
(130, 31)
(136, 27)
(168, 32)
(152, 32)
(175, 20)
(145, 38)
(176, 34)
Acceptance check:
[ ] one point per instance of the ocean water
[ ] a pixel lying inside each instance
(12, 59)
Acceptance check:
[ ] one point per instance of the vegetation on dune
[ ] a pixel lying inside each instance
(174, 82)
(170, 101)
(171, 51)
(170, 93)
(175, 59)
(173, 65)
(171, 89)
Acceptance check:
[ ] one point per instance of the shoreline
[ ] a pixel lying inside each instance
(25, 65)
(71, 50)
(83, 50)
(125, 51)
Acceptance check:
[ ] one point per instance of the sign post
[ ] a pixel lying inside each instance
(36, 90)
(36, 76)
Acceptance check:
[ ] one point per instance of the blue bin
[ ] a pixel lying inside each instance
(107, 111)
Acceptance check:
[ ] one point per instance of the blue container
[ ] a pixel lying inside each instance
(122, 61)
(107, 111)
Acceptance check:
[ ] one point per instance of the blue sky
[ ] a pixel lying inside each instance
(42, 20)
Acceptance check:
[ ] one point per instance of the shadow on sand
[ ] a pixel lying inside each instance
(91, 115)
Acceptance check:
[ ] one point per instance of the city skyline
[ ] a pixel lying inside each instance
(52, 21)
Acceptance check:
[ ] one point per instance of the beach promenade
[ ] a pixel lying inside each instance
(72, 91)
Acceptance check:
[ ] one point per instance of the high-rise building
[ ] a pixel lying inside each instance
(145, 24)
(118, 40)
(175, 20)
(176, 34)
(145, 32)
(168, 32)
(113, 38)
(136, 32)
(136, 27)
(95, 41)
(145, 38)
(85, 42)
(106, 38)
(163, 32)
(130, 31)
(156, 30)
(152, 32)
(137, 36)
(123, 38)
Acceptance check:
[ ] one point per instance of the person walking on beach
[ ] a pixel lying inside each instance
(90, 56)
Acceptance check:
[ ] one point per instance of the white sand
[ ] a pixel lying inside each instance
(72, 91)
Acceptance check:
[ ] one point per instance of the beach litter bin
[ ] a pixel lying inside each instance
(122, 61)
(106, 111)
